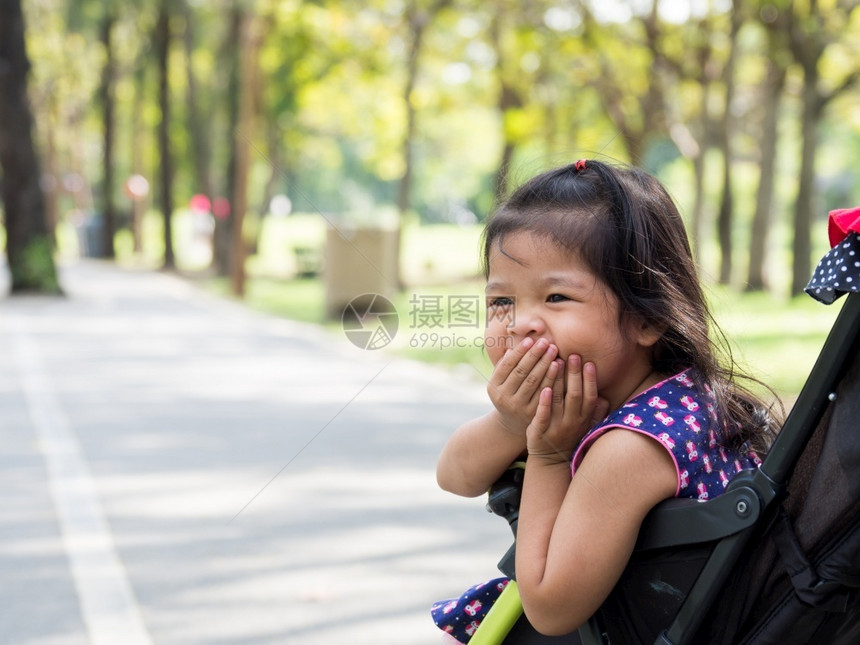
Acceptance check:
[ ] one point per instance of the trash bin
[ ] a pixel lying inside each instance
(90, 235)
(358, 261)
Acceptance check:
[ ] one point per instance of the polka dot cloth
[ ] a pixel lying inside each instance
(838, 272)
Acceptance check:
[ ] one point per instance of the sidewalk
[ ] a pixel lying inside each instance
(180, 470)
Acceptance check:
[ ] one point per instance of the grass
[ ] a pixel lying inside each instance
(774, 339)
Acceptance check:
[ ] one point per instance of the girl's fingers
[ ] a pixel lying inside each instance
(589, 383)
(530, 383)
(582, 397)
(543, 413)
(524, 369)
(554, 379)
(558, 385)
(510, 360)
(574, 377)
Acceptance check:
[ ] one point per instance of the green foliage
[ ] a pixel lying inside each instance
(773, 339)
(555, 81)
(34, 270)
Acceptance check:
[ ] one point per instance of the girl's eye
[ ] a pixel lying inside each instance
(556, 297)
(502, 301)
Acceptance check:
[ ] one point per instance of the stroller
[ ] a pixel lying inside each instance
(776, 557)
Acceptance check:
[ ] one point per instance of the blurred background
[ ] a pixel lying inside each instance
(174, 165)
(224, 139)
(270, 148)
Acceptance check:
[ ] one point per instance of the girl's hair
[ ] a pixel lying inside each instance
(627, 230)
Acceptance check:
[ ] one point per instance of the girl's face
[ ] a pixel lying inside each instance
(538, 289)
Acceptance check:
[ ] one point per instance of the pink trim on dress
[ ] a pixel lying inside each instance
(586, 443)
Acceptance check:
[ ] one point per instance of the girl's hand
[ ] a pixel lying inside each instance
(564, 415)
(518, 379)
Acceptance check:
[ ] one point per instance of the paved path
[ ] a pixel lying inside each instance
(179, 470)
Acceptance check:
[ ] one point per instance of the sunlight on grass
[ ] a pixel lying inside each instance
(301, 299)
(774, 339)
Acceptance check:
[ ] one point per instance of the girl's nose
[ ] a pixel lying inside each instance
(526, 322)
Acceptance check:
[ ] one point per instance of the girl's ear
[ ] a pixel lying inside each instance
(644, 333)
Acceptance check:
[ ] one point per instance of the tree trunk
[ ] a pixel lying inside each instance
(417, 20)
(803, 208)
(249, 42)
(52, 188)
(508, 99)
(757, 277)
(137, 132)
(653, 103)
(196, 119)
(222, 240)
(699, 161)
(726, 213)
(698, 216)
(702, 142)
(28, 245)
(277, 175)
(162, 46)
(106, 96)
(808, 39)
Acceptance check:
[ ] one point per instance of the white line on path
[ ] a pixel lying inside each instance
(108, 605)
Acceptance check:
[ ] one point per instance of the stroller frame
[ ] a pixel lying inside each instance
(752, 499)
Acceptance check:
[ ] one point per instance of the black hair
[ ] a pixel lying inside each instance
(624, 226)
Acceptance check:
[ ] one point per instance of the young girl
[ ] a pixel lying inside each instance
(594, 306)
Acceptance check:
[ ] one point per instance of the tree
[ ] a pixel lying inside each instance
(106, 95)
(696, 69)
(629, 76)
(508, 99)
(810, 34)
(417, 19)
(28, 244)
(250, 37)
(222, 240)
(200, 148)
(82, 16)
(774, 22)
(726, 212)
(162, 46)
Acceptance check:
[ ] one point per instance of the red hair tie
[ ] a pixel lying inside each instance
(579, 165)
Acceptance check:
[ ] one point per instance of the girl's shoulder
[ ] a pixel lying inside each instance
(680, 414)
(674, 404)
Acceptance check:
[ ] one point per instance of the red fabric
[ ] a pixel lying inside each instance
(842, 222)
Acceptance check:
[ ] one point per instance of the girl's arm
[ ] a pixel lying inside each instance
(575, 536)
(480, 450)
(477, 454)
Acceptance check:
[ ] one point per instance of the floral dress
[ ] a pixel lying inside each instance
(680, 414)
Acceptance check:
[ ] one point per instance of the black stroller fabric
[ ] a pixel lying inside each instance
(799, 580)
(802, 583)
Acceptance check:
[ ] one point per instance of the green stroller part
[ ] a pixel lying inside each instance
(501, 618)
(683, 586)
